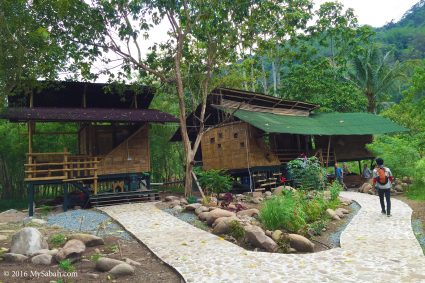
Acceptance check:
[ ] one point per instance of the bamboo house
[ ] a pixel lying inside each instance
(252, 135)
(113, 140)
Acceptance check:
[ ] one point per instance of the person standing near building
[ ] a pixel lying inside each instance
(339, 175)
(367, 173)
(382, 180)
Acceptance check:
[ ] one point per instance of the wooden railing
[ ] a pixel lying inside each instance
(61, 166)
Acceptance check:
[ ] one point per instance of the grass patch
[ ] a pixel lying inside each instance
(110, 249)
(416, 192)
(95, 257)
(200, 225)
(236, 230)
(57, 240)
(66, 265)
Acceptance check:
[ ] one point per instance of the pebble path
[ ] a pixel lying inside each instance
(374, 248)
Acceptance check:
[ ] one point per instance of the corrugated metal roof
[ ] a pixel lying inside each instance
(85, 115)
(327, 124)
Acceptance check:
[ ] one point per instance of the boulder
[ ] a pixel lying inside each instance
(365, 188)
(267, 194)
(174, 203)
(87, 239)
(193, 206)
(257, 194)
(248, 212)
(222, 225)
(332, 214)
(3, 237)
(42, 259)
(339, 213)
(183, 201)
(257, 200)
(106, 264)
(177, 209)
(217, 213)
(397, 181)
(343, 210)
(45, 251)
(246, 220)
(201, 209)
(122, 269)
(256, 236)
(268, 233)
(327, 195)
(171, 198)
(132, 262)
(346, 201)
(72, 249)
(92, 275)
(27, 241)
(300, 243)
(276, 235)
(12, 257)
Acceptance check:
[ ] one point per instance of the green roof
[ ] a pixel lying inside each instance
(326, 124)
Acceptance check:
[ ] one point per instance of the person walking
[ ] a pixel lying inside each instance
(382, 180)
(339, 175)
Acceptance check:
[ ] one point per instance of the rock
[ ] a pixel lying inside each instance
(171, 198)
(405, 179)
(97, 251)
(300, 243)
(397, 182)
(332, 214)
(222, 225)
(292, 250)
(183, 201)
(404, 185)
(213, 200)
(327, 195)
(345, 200)
(9, 211)
(87, 239)
(106, 264)
(132, 262)
(27, 241)
(201, 209)
(3, 238)
(177, 209)
(92, 275)
(217, 213)
(38, 221)
(256, 200)
(339, 213)
(12, 257)
(174, 203)
(268, 233)
(122, 269)
(45, 251)
(203, 215)
(365, 188)
(248, 212)
(193, 206)
(267, 193)
(257, 194)
(343, 210)
(72, 249)
(42, 259)
(246, 220)
(256, 236)
(398, 188)
(276, 235)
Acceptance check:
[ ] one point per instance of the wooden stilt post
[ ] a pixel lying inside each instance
(30, 199)
(327, 155)
(65, 196)
(360, 168)
(95, 176)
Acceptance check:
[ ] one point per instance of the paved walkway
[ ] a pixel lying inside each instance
(374, 248)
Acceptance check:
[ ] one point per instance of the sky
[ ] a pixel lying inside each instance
(376, 12)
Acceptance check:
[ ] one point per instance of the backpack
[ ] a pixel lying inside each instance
(382, 178)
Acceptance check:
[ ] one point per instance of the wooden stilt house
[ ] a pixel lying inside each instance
(252, 135)
(112, 162)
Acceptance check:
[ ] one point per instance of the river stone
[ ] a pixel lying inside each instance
(171, 198)
(248, 212)
(177, 209)
(365, 188)
(346, 201)
(193, 206)
(27, 241)
(217, 213)
(174, 203)
(222, 225)
(3, 237)
(201, 209)
(122, 269)
(343, 210)
(106, 264)
(332, 214)
(256, 236)
(300, 243)
(42, 259)
(87, 239)
(72, 249)
(132, 262)
(399, 188)
(12, 257)
(276, 235)
(183, 201)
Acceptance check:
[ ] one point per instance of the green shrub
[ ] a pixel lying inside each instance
(45, 209)
(318, 226)
(200, 225)
(66, 265)
(335, 189)
(314, 208)
(282, 212)
(307, 173)
(57, 240)
(284, 244)
(214, 181)
(236, 230)
(192, 199)
(95, 257)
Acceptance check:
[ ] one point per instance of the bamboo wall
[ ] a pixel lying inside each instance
(131, 156)
(235, 146)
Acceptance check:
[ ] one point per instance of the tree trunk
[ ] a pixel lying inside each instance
(265, 86)
(274, 70)
(371, 103)
(5, 180)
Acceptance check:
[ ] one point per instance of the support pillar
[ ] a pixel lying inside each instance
(360, 168)
(30, 199)
(65, 197)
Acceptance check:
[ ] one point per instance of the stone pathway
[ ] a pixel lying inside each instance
(374, 248)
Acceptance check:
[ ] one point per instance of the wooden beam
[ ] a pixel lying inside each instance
(329, 148)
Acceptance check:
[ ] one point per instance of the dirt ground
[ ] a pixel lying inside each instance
(417, 206)
(152, 269)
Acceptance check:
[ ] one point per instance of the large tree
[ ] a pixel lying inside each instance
(204, 37)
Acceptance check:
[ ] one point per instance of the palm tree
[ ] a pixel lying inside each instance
(375, 75)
